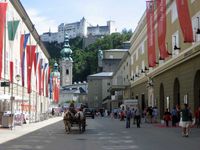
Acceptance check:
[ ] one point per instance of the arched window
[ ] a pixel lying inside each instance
(67, 71)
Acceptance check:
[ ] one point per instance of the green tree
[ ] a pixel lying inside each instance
(85, 62)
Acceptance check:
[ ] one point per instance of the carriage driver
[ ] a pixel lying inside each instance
(72, 108)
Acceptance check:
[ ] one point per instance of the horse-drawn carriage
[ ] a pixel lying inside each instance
(74, 118)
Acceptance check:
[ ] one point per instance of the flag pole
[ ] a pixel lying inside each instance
(11, 78)
(29, 109)
(36, 106)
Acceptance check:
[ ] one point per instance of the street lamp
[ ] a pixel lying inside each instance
(17, 77)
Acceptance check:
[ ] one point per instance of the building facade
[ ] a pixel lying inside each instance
(98, 88)
(102, 30)
(174, 80)
(99, 85)
(112, 58)
(74, 29)
(24, 64)
(76, 92)
(120, 84)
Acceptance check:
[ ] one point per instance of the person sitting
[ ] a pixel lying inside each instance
(72, 109)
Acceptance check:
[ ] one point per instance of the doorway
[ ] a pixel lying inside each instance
(162, 99)
(143, 102)
(197, 90)
(176, 100)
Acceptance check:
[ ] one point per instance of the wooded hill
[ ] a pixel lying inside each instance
(85, 60)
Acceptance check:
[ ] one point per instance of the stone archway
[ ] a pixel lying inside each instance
(162, 100)
(176, 99)
(197, 90)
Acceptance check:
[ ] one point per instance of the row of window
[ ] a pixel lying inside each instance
(175, 38)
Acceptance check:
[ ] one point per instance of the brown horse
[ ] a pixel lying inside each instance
(70, 120)
(68, 116)
(81, 120)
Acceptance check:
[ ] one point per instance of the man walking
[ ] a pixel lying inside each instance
(128, 117)
(137, 116)
(185, 118)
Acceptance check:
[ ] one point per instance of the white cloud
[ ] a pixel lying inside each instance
(42, 24)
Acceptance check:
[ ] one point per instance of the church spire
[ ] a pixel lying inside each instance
(66, 52)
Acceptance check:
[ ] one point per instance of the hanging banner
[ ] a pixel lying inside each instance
(37, 58)
(35, 61)
(23, 43)
(29, 52)
(11, 71)
(3, 7)
(161, 29)
(40, 75)
(46, 86)
(54, 89)
(58, 88)
(51, 86)
(12, 29)
(43, 77)
(150, 33)
(185, 20)
(48, 81)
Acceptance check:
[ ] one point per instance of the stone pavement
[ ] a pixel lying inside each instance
(6, 134)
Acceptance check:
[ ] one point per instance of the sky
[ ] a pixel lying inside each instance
(48, 14)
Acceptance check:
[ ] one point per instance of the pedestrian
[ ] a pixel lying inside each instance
(197, 117)
(133, 115)
(144, 115)
(128, 117)
(174, 116)
(122, 115)
(53, 111)
(167, 117)
(106, 112)
(178, 110)
(150, 114)
(137, 116)
(185, 120)
(155, 114)
(115, 113)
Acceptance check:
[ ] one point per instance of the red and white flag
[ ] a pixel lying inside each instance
(29, 51)
(150, 33)
(3, 7)
(161, 21)
(185, 20)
